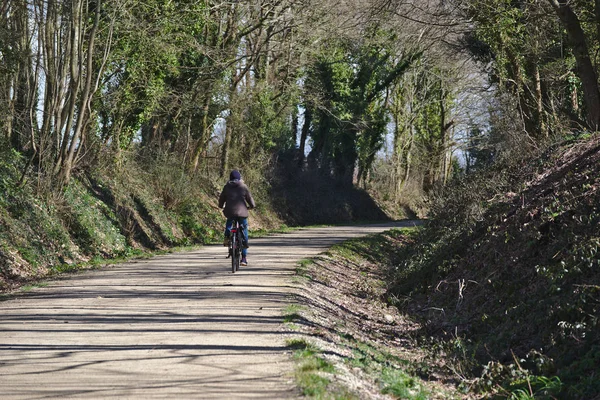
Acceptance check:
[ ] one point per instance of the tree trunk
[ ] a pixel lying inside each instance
(23, 89)
(304, 134)
(539, 101)
(522, 93)
(71, 54)
(444, 129)
(575, 101)
(597, 12)
(200, 144)
(226, 147)
(585, 68)
(86, 97)
(397, 157)
(235, 81)
(295, 123)
(409, 153)
(47, 29)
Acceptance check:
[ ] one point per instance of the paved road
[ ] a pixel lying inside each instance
(175, 326)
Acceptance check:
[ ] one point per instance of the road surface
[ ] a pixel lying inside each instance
(174, 326)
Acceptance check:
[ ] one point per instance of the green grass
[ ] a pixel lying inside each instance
(93, 225)
(29, 255)
(302, 268)
(314, 374)
(260, 233)
(373, 248)
(401, 385)
(392, 372)
(368, 357)
(394, 375)
(291, 313)
(31, 286)
(312, 371)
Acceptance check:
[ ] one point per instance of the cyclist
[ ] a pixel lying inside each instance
(237, 200)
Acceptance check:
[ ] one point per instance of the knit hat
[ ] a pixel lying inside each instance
(235, 175)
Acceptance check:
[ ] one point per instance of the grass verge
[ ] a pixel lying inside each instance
(314, 373)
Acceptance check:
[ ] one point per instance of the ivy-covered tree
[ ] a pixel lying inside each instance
(349, 87)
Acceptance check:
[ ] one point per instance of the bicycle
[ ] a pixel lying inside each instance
(236, 243)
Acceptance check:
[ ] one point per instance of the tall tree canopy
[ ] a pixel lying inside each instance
(341, 83)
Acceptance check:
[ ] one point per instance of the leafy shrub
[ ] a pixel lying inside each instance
(199, 222)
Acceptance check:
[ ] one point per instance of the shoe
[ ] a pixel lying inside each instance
(226, 242)
(244, 262)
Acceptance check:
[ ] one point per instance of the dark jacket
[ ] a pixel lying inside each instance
(237, 199)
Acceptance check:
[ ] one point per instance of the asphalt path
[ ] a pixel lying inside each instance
(174, 326)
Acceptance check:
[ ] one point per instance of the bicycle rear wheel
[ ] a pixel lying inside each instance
(239, 250)
(234, 253)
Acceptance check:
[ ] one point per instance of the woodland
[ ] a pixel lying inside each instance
(404, 92)
(120, 121)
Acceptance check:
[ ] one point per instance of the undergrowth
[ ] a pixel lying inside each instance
(509, 267)
(91, 222)
(396, 376)
(32, 236)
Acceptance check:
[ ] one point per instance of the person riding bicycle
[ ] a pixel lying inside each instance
(237, 200)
